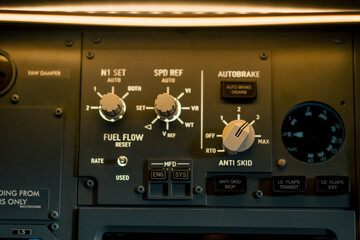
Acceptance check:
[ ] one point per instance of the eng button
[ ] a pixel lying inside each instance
(158, 174)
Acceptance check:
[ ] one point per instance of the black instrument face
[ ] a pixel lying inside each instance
(313, 132)
(7, 72)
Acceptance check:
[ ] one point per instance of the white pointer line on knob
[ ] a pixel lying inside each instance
(181, 95)
(125, 95)
(225, 122)
(181, 121)
(154, 121)
(253, 121)
(99, 94)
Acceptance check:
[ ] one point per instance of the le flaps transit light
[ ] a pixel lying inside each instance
(190, 15)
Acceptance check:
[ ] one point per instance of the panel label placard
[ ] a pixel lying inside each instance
(24, 198)
(238, 90)
(48, 73)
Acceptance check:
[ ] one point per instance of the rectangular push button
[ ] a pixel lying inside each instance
(158, 174)
(332, 185)
(289, 184)
(230, 184)
(238, 90)
(181, 174)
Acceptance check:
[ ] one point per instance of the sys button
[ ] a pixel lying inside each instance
(158, 174)
(181, 174)
(229, 184)
(332, 185)
(289, 184)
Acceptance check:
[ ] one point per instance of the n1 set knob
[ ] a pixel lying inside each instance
(112, 107)
(167, 107)
(238, 136)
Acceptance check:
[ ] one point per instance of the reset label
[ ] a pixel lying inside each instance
(24, 198)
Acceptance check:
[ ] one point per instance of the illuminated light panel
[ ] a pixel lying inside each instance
(168, 8)
(179, 21)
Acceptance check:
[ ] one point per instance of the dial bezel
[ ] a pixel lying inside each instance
(338, 133)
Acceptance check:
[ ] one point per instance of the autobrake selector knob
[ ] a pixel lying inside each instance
(112, 107)
(238, 136)
(167, 107)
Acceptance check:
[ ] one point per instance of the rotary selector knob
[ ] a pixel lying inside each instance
(112, 107)
(238, 136)
(167, 107)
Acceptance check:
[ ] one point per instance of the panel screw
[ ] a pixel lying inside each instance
(54, 227)
(68, 43)
(264, 56)
(54, 215)
(15, 98)
(58, 112)
(140, 189)
(338, 40)
(89, 183)
(198, 190)
(96, 40)
(258, 194)
(281, 163)
(90, 55)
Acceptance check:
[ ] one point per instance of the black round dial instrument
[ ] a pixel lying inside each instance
(313, 132)
(7, 72)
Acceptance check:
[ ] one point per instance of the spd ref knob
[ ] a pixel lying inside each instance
(238, 136)
(167, 107)
(112, 107)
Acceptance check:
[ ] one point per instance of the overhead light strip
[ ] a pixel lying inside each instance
(178, 21)
(167, 7)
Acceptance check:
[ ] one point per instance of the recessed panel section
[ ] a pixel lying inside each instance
(31, 172)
